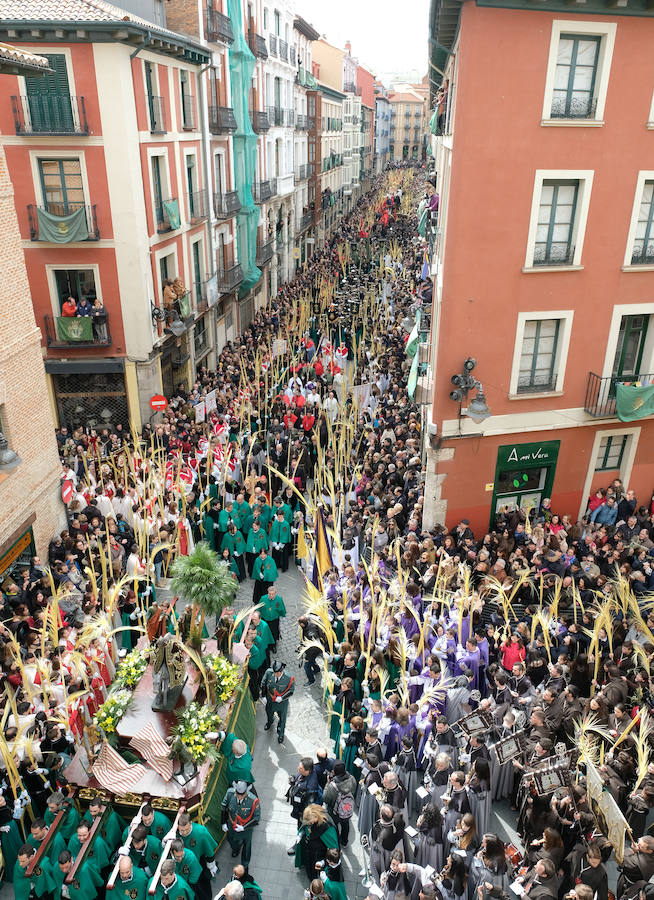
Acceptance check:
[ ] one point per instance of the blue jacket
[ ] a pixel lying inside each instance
(605, 515)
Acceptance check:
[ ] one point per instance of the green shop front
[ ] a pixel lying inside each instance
(524, 475)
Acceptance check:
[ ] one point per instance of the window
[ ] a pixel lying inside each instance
(540, 353)
(538, 358)
(265, 19)
(610, 453)
(556, 215)
(278, 23)
(574, 80)
(577, 77)
(200, 335)
(157, 184)
(77, 283)
(643, 245)
(558, 219)
(61, 185)
(48, 97)
(188, 123)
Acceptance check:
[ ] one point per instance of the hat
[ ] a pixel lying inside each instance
(240, 787)
(278, 666)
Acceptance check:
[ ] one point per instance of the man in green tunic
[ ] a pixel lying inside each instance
(238, 758)
(131, 883)
(225, 517)
(280, 538)
(242, 512)
(257, 662)
(264, 573)
(39, 832)
(251, 890)
(277, 687)
(40, 883)
(171, 886)
(98, 855)
(264, 634)
(56, 803)
(234, 541)
(112, 828)
(272, 611)
(198, 839)
(256, 542)
(156, 823)
(186, 863)
(84, 885)
(241, 812)
(145, 850)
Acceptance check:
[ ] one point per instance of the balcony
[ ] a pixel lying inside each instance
(301, 121)
(275, 115)
(157, 113)
(229, 278)
(258, 45)
(573, 108)
(226, 205)
(188, 113)
(63, 213)
(219, 27)
(272, 44)
(289, 117)
(200, 296)
(262, 191)
(49, 114)
(284, 184)
(302, 172)
(265, 252)
(283, 50)
(305, 222)
(164, 222)
(221, 120)
(349, 87)
(65, 332)
(306, 79)
(600, 392)
(259, 120)
(198, 202)
(292, 55)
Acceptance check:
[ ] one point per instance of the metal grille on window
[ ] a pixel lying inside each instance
(94, 400)
(643, 250)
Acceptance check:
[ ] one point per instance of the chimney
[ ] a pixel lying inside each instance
(348, 47)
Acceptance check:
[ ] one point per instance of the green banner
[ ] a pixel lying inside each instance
(74, 328)
(412, 343)
(185, 305)
(433, 122)
(634, 401)
(413, 377)
(422, 223)
(63, 229)
(172, 210)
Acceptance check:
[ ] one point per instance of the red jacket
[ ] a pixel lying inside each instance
(511, 654)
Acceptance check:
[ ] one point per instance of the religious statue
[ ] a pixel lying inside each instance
(168, 673)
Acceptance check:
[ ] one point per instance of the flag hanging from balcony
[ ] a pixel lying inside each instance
(71, 329)
(634, 401)
(413, 378)
(63, 229)
(172, 210)
(422, 223)
(412, 343)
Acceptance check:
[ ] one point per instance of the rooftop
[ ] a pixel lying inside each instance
(16, 62)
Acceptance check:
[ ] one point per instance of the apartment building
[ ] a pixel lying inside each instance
(543, 256)
(407, 125)
(382, 126)
(305, 144)
(366, 90)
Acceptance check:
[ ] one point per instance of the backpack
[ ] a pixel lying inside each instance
(344, 807)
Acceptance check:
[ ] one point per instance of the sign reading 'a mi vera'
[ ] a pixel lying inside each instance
(525, 455)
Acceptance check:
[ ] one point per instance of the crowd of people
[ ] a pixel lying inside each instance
(456, 670)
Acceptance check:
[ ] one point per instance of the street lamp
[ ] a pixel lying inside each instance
(8, 459)
(477, 408)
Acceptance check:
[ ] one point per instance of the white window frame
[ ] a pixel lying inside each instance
(50, 270)
(165, 187)
(627, 309)
(168, 250)
(585, 179)
(626, 466)
(604, 30)
(627, 266)
(565, 316)
(70, 153)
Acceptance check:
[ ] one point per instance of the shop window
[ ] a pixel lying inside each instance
(611, 451)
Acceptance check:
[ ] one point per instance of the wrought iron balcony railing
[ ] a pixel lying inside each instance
(226, 205)
(157, 112)
(258, 45)
(221, 119)
(259, 120)
(283, 50)
(62, 211)
(301, 121)
(265, 252)
(272, 44)
(555, 256)
(262, 191)
(219, 27)
(305, 222)
(600, 392)
(77, 331)
(229, 278)
(289, 117)
(198, 205)
(275, 115)
(642, 254)
(573, 108)
(49, 113)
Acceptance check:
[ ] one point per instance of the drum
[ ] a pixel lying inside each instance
(513, 855)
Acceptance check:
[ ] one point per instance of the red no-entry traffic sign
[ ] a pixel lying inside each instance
(158, 402)
(67, 491)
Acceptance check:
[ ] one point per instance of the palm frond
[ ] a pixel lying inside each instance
(203, 579)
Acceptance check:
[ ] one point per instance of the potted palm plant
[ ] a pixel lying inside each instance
(204, 582)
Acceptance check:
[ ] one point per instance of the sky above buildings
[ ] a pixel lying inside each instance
(388, 37)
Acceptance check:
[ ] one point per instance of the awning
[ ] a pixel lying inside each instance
(83, 366)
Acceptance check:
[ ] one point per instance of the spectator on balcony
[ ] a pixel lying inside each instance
(99, 316)
(84, 308)
(69, 308)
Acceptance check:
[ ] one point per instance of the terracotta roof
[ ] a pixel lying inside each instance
(402, 98)
(12, 57)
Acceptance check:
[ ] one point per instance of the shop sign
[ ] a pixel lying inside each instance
(15, 551)
(523, 456)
